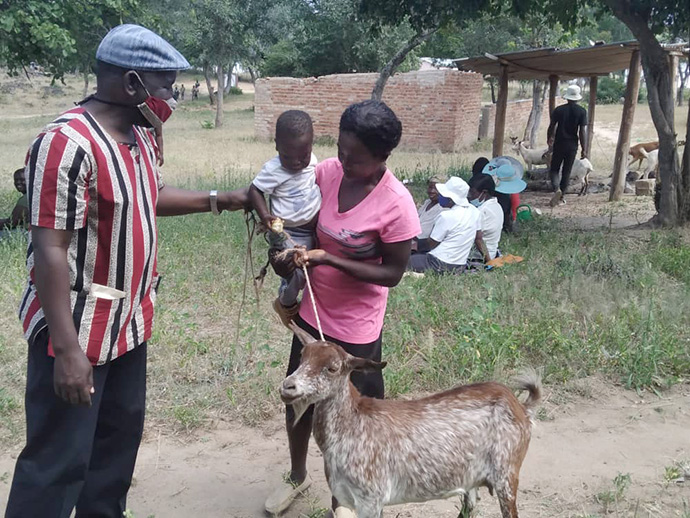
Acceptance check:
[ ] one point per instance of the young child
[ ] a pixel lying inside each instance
(20, 213)
(289, 180)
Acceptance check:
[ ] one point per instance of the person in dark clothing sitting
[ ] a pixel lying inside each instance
(568, 122)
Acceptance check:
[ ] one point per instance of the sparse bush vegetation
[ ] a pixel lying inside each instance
(610, 498)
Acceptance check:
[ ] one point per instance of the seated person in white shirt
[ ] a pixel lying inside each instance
(428, 213)
(484, 191)
(289, 180)
(483, 196)
(454, 233)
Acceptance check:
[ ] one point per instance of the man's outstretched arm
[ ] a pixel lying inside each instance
(175, 202)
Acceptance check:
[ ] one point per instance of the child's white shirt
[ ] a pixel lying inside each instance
(294, 196)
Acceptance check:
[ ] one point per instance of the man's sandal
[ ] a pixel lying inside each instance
(282, 497)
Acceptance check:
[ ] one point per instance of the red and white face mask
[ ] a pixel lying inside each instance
(156, 111)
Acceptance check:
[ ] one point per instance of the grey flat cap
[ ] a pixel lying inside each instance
(137, 48)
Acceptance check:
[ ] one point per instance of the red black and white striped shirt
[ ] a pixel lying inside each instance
(80, 179)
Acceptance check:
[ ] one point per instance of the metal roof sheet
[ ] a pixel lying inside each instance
(595, 60)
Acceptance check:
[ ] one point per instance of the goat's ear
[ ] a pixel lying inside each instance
(303, 336)
(364, 364)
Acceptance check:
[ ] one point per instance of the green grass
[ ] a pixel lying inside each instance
(583, 302)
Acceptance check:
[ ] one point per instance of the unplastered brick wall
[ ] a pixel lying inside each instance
(517, 114)
(439, 109)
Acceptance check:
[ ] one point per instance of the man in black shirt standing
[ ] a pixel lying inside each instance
(568, 121)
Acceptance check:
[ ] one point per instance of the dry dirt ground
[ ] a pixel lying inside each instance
(588, 433)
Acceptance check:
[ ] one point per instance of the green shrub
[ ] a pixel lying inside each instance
(282, 60)
(610, 90)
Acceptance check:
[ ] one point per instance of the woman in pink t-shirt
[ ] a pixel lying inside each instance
(364, 234)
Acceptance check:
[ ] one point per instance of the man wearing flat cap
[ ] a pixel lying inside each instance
(94, 192)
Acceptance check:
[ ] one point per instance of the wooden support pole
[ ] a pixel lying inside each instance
(591, 109)
(620, 164)
(553, 92)
(501, 106)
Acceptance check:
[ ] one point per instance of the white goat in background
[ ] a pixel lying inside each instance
(531, 157)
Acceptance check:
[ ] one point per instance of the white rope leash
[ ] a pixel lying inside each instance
(313, 302)
(311, 290)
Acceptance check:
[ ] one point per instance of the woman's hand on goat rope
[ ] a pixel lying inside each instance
(311, 257)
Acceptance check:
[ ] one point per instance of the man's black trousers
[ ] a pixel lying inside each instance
(562, 155)
(77, 456)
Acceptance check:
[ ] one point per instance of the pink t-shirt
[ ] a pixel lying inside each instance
(352, 310)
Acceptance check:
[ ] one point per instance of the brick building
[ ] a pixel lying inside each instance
(439, 109)
(517, 114)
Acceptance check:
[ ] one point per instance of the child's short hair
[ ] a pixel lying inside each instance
(478, 165)
(293, 123)
(483, 182)
(374, 124)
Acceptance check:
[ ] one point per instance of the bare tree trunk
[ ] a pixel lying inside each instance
(219, 96)
(492, 84)
(661, 106)
(683, 77)
(522, 89)
(252, 74)
(86, 83)
(390, 67)
(685, 173)
(658, 78)
(209, 86)
(534, 119)
(226, 90)
(537, 122)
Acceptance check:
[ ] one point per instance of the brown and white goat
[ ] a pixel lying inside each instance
(384, 452)
(639, 152)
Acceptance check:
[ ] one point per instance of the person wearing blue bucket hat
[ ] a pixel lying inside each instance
(95, 190)
(507, 180)
(512, 182)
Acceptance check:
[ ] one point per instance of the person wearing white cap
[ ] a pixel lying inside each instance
(568, 122)
(454, 232)
(95, 191)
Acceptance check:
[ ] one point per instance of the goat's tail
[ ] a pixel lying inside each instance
(529, 380)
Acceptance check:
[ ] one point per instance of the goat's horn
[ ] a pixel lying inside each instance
(303, 336)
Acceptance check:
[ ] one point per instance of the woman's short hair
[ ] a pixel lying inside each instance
(483, 182)
(375, 125)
